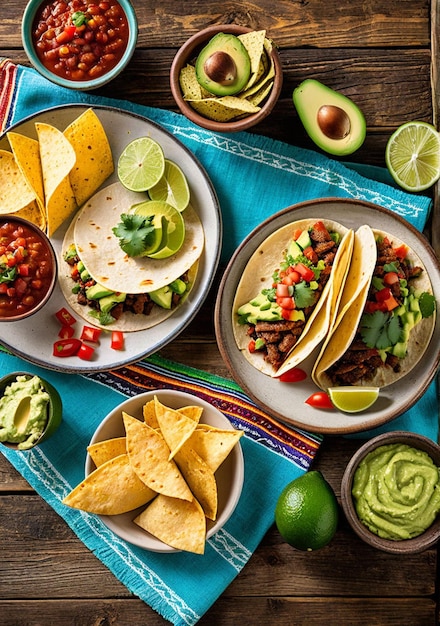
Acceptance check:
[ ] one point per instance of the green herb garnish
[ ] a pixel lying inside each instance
(134, 233)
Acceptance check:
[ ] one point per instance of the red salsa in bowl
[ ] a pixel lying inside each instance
(28, 269)
(79, 43)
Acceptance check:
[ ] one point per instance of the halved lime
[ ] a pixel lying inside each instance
(353, 399)
(172, 187)
(141, 164)
(173, 227)
(413, 156)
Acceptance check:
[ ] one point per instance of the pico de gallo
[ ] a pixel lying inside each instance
(277, 316)
(80, 40)
(27, 268)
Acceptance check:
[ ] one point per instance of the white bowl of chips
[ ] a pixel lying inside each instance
(129, 469)
(234, 112)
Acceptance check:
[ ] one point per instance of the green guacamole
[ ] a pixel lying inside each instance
(23, 412)
(397, 491)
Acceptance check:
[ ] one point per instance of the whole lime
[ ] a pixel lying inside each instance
(307, 512)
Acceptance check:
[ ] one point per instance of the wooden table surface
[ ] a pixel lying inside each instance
(380, 53)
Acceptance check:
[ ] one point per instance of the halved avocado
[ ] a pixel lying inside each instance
(332, 121)
(223, 67)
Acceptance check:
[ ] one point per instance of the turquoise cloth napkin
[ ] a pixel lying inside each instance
(275, 175)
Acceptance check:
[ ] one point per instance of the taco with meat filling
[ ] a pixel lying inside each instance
(289, 293)
(384, 330)
(110, 289)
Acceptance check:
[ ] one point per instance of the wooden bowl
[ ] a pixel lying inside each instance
(189, 51)
(404, 546)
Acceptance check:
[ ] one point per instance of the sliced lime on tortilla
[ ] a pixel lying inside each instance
(141, 164)
(173, 226)
(172, 187)
(413, 156)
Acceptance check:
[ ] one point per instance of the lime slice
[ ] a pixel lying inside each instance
(413, 156)
(353, 399)
(173, 226)
(141, 164)
(172, 187)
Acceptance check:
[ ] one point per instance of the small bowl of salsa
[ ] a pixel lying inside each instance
(28, 269)
(79, 44)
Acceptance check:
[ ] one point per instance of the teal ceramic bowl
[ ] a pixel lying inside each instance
(29, 16)
(54, 410)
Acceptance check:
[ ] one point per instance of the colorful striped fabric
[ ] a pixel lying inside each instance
(8, 74)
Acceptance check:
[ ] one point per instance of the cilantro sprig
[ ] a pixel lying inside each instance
(135, 233)
(380, 330)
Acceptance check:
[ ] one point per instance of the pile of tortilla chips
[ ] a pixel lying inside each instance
(46, 179)
(248, 101)
(167, 461)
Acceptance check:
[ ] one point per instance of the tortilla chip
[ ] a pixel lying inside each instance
(179, 524)
(27, 156)
(254, 44)
(176, 427)
(94, 160)
(148, 454)
(149, 414)
(200, 479)
(189, 84)
(15, 192)
(223, 109)
(193, 412)
(103, 451)
(57, 160)
(111, 489)
(212, 444)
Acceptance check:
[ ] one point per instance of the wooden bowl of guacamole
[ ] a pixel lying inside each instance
(390, 492)
(30, 410)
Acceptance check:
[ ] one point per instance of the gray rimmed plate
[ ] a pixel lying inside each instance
(33, 339)
(286, 401)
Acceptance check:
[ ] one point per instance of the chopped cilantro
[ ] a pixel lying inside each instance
(7, 274)
(304, 296)
(427, 304)
(380, 330)
(391, 267)
(103, 318)
(134, 233)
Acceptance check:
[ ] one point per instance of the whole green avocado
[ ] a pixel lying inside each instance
(333, 121)
(223, 67)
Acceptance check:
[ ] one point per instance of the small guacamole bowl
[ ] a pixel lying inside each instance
(406, 476)
(65, 49)
(188, 53)
(53, 410)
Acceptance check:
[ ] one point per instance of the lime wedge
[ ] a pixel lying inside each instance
(173, 226)
(141, 164)
(353, 399)
(172, 187)
(413, 156)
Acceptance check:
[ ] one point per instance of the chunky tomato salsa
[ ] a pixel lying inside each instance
(80, 40)
(26, 269)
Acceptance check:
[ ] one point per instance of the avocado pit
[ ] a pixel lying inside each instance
(333, 121)
(220, 67)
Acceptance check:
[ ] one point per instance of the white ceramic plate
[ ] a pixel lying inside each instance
(286, 401)
(33, 338)
(229, 476)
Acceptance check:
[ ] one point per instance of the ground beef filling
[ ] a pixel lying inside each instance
(139, 303)
(360, 363)
(281, 336)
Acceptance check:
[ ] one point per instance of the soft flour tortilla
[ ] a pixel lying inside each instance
(128, 322)
(99, 249)
(257, 275)
(348, 320)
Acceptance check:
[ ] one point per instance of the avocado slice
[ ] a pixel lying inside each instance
(223, 67)
(97, 291)
(108, 302)
(163, 296)
(332, 121)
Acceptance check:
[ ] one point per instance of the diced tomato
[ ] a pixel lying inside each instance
(305, 272)
(90, 333)
(286, 303)
(320, 400)
(382, 295)
(64, 317)
(23, 269)
(320, 226)
(11, 261)
(288, 314)
(371, 307)
(282, 290)
(66, 332)
(86, 352)
(3, 288)
(391, 278)
(66, 35)
(251, 346)
(297, 233)
(292, 276)
(401, 251)
(117, 342)
(66, 347)
(20, 286)
(310, 254)
(295, 375)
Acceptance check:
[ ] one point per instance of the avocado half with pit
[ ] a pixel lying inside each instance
(333, 121)
(223, 66)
